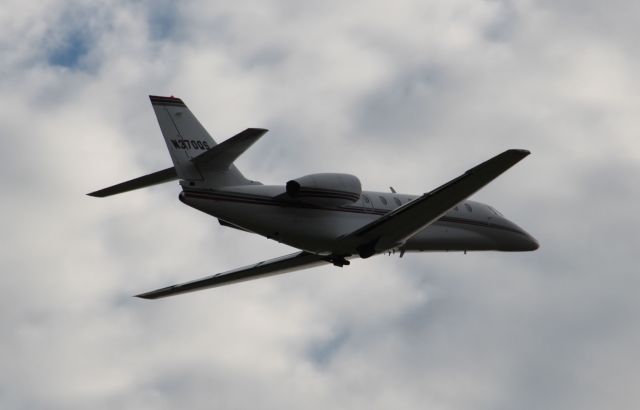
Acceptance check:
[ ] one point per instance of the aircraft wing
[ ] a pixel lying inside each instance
(283, 264)
(392, 229)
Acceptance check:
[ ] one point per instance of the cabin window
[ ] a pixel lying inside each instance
(366, 199)
(468, 207)
(397, 201)
(383, 200)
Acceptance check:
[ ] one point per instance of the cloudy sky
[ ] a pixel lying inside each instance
(406, 93)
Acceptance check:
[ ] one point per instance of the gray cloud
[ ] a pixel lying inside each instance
(412, 95)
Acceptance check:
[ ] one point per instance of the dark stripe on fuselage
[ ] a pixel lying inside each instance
(263, 200)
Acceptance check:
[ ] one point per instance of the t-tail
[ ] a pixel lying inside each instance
(198, 162)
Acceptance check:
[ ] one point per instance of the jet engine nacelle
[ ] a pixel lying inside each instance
(325, 189)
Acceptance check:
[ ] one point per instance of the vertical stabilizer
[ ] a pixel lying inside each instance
(186, 139)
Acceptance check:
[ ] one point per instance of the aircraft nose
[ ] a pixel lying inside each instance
(529, 243)
(519, 240)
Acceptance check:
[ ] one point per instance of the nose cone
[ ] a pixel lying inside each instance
(527, 243)
(517, 239)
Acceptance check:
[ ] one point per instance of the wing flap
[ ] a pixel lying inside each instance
(400, 224)
(283, 264)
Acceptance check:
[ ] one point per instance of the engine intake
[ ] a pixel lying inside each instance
(325, 189)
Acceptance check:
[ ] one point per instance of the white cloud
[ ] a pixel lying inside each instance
(408, 96)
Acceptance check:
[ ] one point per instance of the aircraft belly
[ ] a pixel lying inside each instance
(311, 229)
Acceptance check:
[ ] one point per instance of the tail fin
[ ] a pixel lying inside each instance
(197, 160)
(187, 139)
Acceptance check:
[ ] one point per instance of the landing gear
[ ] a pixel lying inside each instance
(339, 261)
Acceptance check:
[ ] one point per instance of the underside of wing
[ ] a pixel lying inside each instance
(283, 264)
(397, 226)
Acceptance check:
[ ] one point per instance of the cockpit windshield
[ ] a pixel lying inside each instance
(494, 211)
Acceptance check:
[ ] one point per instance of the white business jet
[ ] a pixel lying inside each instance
(328, 217)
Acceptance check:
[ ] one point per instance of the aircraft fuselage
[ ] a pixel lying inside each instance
(261, 209)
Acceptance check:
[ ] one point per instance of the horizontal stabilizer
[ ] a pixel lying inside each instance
(221, 156)
(156, 178)
(217, 158)
(283, 264)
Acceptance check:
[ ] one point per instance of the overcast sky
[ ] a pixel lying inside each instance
(406, 94)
